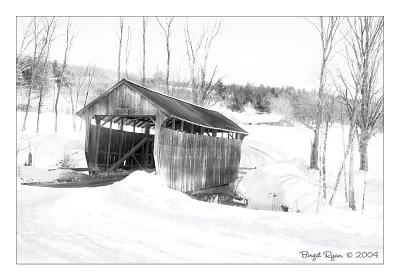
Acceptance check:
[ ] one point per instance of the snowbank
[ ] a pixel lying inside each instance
(273, 186)
(27, 174)
(138, 220)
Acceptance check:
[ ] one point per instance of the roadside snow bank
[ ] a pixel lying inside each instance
(26, 174)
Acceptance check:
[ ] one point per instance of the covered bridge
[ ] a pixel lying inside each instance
(132, 127)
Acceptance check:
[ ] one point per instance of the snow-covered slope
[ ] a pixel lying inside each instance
(137, 221)
(281, 155)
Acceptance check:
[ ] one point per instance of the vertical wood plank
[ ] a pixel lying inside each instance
(109, 144)
(96, 156)
(121, 136)
(146, 146)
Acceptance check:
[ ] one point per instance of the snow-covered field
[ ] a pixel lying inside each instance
(137, 220)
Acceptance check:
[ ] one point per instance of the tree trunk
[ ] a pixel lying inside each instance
(29, 96)
(365, 187)
(364, 157)
(72, 111)
(167, 76)
(119, 63)
(27, 107)
(348, 149)
(323, 165)
(363, 142)
(314, 149)
(344, 170)
(56, 107)
(144, 53)
(119, 49)
(352, 203)
(193, 83)
(39, 109)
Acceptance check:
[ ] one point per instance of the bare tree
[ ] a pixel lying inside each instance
(366, 47)
(353, 113)
(349, 92)
(327, 113)
(202, 84)
(78, 84)
(120, 35)
(166, 28)
(362, 97)
(27, 39)
(344, 147)
(351, 195)
(91, 73)
(327, 122)
(364, 192)
(22, 62)
(192, 51)
(50, 27)
(327, 30)
(128, 47)
(38, 50)
(145, 21)
(60, 75)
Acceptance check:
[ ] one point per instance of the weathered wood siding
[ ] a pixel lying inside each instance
(189, 162)
(160, 118)
(121, 97)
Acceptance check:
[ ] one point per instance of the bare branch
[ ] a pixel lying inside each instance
(202, 85)
(166, 28)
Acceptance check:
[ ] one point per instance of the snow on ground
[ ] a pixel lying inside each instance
(273, 186)
(249, 115)
(281, 155)
(138, 220)
(48, 147)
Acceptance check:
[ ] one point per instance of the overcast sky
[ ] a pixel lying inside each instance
(274, 51)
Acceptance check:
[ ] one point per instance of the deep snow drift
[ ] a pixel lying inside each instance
(138, 220)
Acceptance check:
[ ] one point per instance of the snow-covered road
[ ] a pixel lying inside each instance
(138, 221)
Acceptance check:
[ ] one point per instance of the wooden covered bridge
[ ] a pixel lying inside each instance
(131, 127)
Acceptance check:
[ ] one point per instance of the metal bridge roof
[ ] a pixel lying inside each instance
(180, 109)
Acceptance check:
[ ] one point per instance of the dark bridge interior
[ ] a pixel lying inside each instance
(121, 142)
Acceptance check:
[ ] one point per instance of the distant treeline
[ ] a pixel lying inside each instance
(298, 104)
